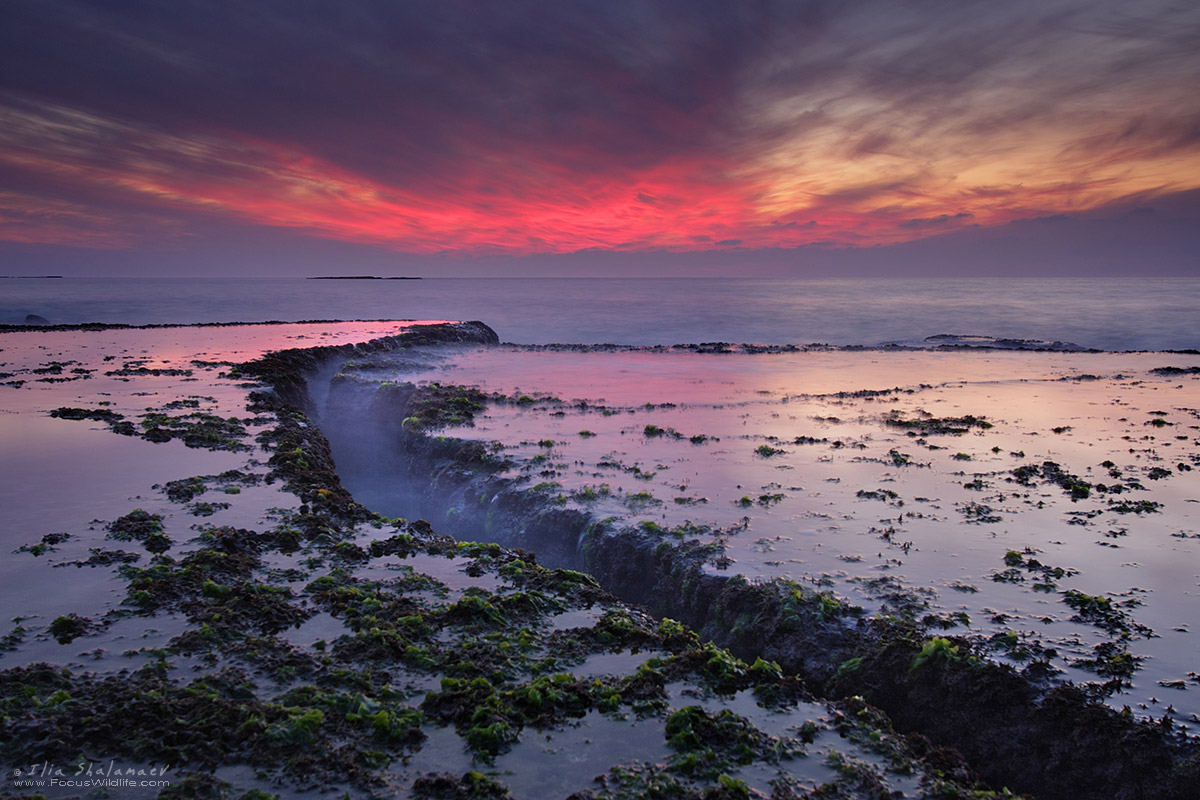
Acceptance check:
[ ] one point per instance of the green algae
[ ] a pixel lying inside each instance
(141, 526)
(494, 634)
(48, 544)
(197, 429)
(67, 628)
(928, 425)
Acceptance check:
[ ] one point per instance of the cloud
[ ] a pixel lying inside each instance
(527, 127)
(940, 221)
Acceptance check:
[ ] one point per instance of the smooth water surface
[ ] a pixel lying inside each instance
(1105, 314)
(809, 466)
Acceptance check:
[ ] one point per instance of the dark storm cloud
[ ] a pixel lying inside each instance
(395, 85)
(628, 79)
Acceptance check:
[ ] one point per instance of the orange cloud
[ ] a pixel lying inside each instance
(812, 187)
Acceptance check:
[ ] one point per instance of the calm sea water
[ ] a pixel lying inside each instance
(1110, 314)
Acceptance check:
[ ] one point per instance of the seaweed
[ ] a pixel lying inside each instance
(46, 545)
(144, 716)
(1104, 613)
(141, 526)
(185, 490)
(979, 513)
(1134, 506)
(709, 745)
(102, 558)
(503, 672)
(1051, 472)
(96, 414)
(928, 425)
(469, 786)
(115, 421)
(67, 628)
(886, 495)
(130, 370)
(197, 429)
(1021, 564)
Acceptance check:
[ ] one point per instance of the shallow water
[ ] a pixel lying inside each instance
(68, 476)
(75, 476)
(884, 518)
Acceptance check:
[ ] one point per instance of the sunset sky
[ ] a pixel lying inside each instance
(904, 137)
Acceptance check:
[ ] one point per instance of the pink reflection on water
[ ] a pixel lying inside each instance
(175, 346)
(633, 377)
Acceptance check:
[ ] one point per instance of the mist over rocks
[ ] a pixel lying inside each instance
(286, 370)
(1013, 727)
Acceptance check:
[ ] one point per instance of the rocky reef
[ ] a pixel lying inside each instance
(505, 647)
(1016, 728)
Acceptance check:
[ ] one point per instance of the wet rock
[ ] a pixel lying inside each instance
(471, 786)
(69, 627)
(1062, 743)
(287, 371)
(1000, 343)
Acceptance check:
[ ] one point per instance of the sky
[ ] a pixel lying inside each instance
(897, 137)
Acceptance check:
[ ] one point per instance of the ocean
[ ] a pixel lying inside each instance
(1105, 314)
(1032, 509)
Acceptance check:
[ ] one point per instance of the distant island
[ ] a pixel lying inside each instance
(30, 276)
(360, 278)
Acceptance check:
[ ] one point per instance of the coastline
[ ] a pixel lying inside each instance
(1104, 314)
(817, 641)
